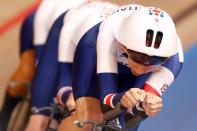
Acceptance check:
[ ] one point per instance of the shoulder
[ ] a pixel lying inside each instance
(42, 19)
(179, 56)
(46, 6)
(90, 37)
(63, 6)
(29, 20)
(180, 50)
(92, 14)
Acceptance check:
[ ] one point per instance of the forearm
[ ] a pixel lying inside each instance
(161, 79)
(26, 68)
(64, 75)
(112, 99)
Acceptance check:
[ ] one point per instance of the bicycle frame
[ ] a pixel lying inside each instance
(139, 115)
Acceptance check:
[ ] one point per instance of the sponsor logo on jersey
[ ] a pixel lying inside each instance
(164, 88)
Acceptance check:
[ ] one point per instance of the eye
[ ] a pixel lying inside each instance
(149, 37)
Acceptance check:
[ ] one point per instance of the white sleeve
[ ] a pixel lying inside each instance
(62, 6)
(106, 50)
(72, 23)
(76, 23)
(160, 80)
(41, 21)
(66, 48)
(96, 12)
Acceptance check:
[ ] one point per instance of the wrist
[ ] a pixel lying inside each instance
(108, 100)
(63, 94)
(112, 99)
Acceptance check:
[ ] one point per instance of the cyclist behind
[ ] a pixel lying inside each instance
(47, 66)
(138, 55)
(20, 81)
(47, 27)
(31, 44)
(23, 76)
(84, 17)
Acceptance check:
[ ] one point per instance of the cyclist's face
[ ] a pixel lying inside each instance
(139, 69)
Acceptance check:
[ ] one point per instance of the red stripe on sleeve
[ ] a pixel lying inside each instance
(149, 88)
(108, 100)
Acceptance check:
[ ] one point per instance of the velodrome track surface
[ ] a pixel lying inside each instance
(180, 102)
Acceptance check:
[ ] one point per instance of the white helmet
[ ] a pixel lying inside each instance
(150, 31)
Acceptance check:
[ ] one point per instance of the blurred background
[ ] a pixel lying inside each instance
(180, 102)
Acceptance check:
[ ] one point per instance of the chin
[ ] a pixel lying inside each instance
(136, 73)
(139, 73)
